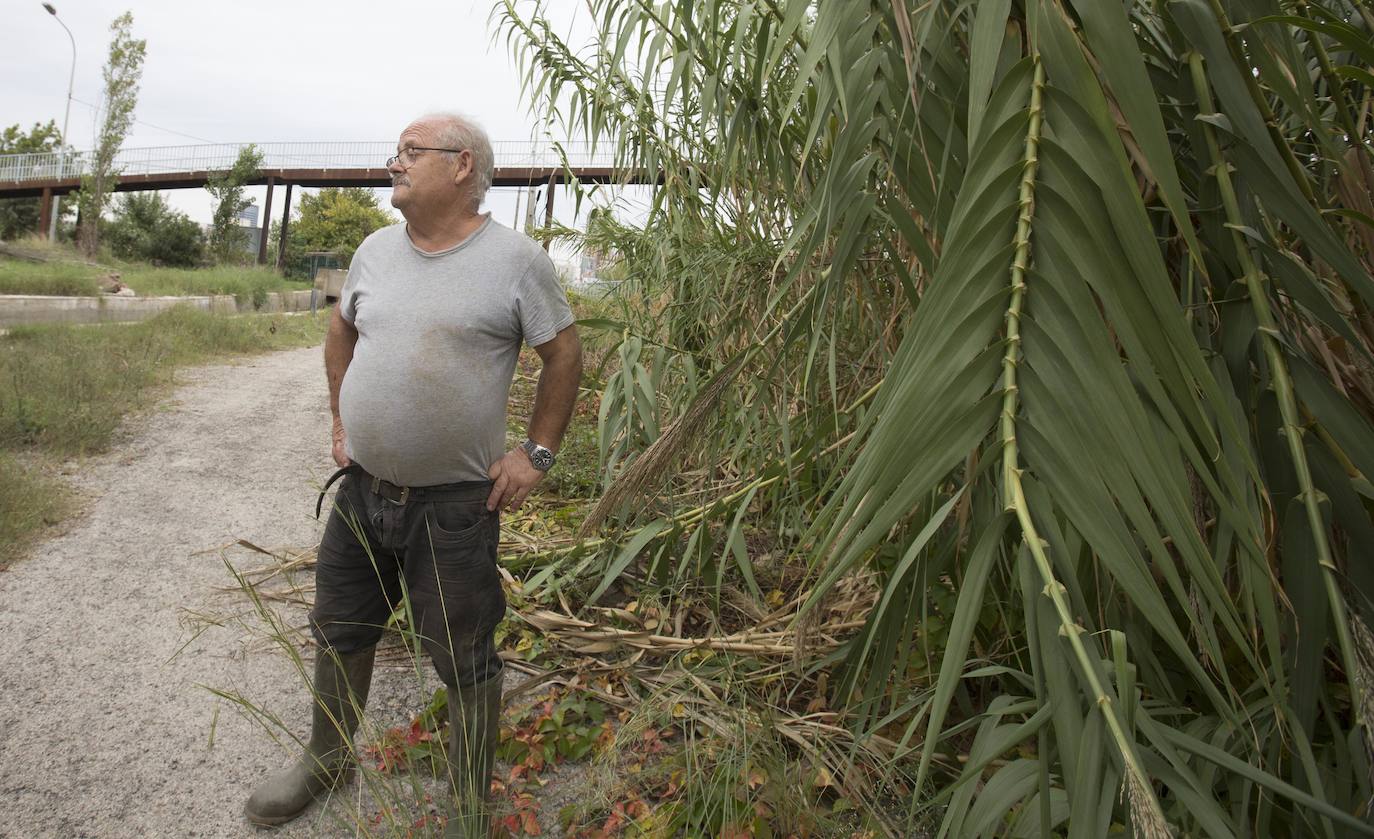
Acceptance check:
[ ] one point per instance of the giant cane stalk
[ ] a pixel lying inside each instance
(1144, 804)
(1282, 384)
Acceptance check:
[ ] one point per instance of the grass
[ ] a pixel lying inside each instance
(67, 273)
(57, 278)
(30, 500)
(64, 390)
(244, 283)
(67, 278)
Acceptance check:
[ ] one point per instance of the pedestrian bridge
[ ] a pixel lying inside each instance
(315, 164)
(518, 163)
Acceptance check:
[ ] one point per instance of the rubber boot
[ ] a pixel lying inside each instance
(327, 760)
(474, 716)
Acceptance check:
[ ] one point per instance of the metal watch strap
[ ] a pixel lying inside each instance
(540, 457)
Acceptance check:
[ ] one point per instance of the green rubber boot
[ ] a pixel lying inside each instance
(327, 760)
(474, 716)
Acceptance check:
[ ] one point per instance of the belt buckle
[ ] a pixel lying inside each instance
(377, 489)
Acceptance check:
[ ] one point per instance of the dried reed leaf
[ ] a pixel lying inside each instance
(650, 468)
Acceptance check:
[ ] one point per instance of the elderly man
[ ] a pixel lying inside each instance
(420, 355)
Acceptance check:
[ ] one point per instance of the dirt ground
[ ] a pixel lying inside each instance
(108, 723)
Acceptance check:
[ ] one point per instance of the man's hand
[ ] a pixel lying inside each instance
(340, 448)
(515, 476)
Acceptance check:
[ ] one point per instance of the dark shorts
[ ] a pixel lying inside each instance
(434, 558)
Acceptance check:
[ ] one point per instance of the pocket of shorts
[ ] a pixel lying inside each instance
(457, 521)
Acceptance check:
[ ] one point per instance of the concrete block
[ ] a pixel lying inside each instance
(21, 309)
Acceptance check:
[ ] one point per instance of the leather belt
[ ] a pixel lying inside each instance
(350, 468)
(460, 491)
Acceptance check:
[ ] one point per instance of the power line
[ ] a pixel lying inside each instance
(150, 125)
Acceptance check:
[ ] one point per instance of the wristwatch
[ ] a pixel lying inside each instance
(540, 457)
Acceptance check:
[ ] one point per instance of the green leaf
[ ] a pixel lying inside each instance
(627, 555)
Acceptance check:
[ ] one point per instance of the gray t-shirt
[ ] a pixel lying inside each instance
(424, 399)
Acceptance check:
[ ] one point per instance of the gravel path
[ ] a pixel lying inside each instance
(107, 724)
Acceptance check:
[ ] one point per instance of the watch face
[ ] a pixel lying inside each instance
(540, 457)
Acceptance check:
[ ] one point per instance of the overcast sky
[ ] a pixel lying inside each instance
(274, 70)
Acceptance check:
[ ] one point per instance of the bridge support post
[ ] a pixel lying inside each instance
(266, 223)
(285, 219)
(45, 212)
(548, 205)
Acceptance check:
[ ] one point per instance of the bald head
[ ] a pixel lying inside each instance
(455, 131)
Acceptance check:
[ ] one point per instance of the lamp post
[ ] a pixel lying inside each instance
(62, 169)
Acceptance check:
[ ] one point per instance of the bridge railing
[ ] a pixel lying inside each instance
(308, 155)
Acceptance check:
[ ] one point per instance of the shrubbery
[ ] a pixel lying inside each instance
(335, 219)
(145, 228)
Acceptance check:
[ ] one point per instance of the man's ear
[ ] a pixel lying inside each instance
(463, 171)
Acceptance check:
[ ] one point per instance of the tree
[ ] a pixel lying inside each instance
(19, 216)
(227, 236)
(335, 219)
(145, 228)
(122, 73)
(1027, 347)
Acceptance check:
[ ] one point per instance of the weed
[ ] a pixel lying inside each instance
(418, 745)
(246, 284)
(564, 726)
(30, 499)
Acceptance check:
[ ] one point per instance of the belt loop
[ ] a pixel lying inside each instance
(405, 493)
(376, 485)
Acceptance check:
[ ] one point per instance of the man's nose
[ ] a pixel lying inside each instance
(394, 166)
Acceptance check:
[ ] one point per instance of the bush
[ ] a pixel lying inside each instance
(145, 228)
(335, 219)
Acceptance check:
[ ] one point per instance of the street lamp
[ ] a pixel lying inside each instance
(62, 169)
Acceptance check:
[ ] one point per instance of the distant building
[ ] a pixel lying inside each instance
(249, 216)
(247, 222)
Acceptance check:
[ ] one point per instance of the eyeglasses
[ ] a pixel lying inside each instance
(407, 156)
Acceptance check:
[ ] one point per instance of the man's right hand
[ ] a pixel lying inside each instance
(340, 448)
